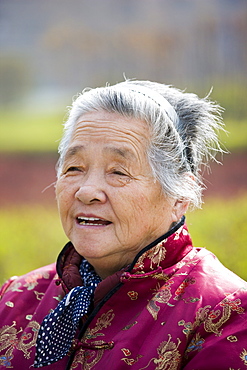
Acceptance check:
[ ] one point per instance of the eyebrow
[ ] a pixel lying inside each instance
(122, 152)
(73, 151)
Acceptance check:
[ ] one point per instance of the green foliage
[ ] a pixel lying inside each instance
(33, 132)
(32, 236)
(220, 226)
(231, 95)
(30, 132)
(236, 137)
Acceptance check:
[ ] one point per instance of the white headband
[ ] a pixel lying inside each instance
(156, 98)
(159, 99)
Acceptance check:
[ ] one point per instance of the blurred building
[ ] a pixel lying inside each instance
(52, 49)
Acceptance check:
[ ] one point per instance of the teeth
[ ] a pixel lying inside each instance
(89, 221)
(89, 218)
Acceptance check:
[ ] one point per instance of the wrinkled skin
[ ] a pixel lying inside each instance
(107, 182)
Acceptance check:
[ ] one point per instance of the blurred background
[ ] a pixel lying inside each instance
(52, 49)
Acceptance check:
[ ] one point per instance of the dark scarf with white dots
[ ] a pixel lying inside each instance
(58, 329)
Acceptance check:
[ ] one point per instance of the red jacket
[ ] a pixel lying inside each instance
(178, 308)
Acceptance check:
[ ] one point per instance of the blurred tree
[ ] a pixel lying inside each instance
(15, 80)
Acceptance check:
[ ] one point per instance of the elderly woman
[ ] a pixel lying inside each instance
(129, 291)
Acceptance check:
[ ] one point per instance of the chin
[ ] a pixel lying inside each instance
(90, 253)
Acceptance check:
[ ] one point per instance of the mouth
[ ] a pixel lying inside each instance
(92, 221)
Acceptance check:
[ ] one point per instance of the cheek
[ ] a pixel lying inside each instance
(134, 209)
(154, 206)
(63, 197)
(148, 201)
(127, 207)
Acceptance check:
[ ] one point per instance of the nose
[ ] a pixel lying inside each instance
(91, 190)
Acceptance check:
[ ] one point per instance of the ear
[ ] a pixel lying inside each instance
(179, 209)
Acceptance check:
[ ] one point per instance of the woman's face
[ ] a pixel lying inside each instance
(109, 202)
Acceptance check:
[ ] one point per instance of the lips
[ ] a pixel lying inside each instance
(92, 221)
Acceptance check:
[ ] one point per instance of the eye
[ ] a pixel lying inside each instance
(72, 169)
(119, 173)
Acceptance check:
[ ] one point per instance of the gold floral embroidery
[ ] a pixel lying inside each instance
(191, 300)
(127, 327)
(163, 295)
(39, 295)
(9, 341)
(161, 276)
(59, 297)
(243, 356)
(32, 280)
(129, 361)
(195, 345)
(178, 232)
(92, 353)
(190, 327)
(9, 304)
(14, 287)
(204, 315)
(155, 255)
(102, 322)
(126, 351)
(87, 358)
(228, 306)
(181, 289)
(233, 304)
(133, 295)
(28, 340)
(232, 338)
(168, 356)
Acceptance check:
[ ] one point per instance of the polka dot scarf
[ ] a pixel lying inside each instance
(58, 329)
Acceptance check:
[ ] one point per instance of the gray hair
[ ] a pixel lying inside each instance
(183, 130)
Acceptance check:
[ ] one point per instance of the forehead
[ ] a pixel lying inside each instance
(118, 134)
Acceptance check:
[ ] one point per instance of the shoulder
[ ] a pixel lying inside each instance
(215, 325)
(213, 280)
(41, 276)
(211, 268)
(29, 295)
